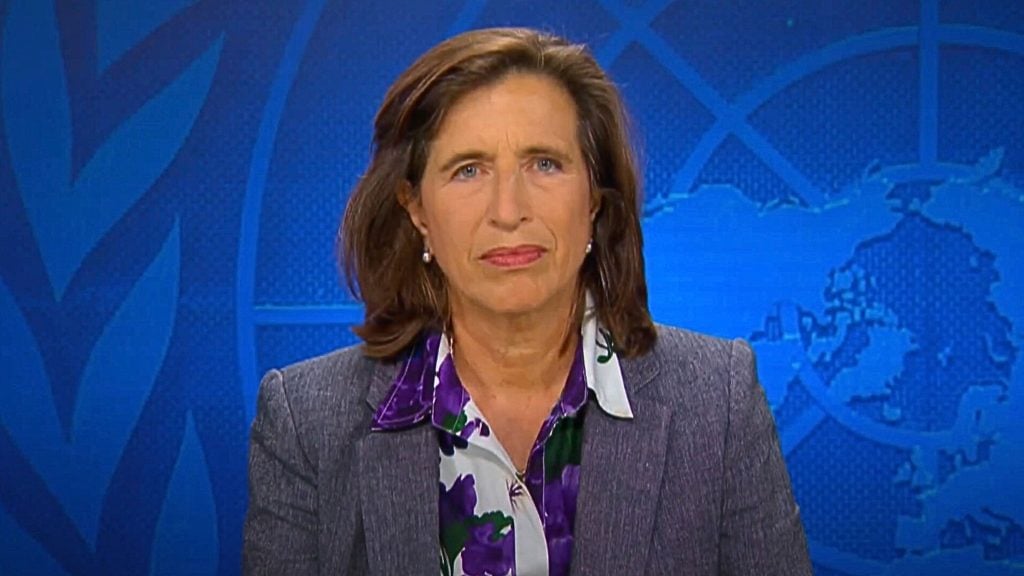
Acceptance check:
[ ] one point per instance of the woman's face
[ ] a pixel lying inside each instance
(504, 202)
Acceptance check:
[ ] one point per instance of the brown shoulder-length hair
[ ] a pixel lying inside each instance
(381, 250)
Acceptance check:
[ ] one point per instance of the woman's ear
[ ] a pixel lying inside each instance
(595, 204)
(413, 205)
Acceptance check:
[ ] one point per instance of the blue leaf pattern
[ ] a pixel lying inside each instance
(186, 535)
(26, 410)
(122, 169)
(120, 24)
(21, 554)
(27, 414)
(78, 473)
(37, 119)
(69, 218)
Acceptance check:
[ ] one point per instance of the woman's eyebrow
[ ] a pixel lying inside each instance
(532, 150)
(460, 157)
(546, 150)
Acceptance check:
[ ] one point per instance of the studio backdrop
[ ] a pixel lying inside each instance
(172, 173)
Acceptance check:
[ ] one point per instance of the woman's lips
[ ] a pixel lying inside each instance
(514, 257)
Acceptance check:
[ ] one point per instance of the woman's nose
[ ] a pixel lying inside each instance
(509, 206)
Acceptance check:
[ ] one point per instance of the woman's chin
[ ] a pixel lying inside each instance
(516, 301)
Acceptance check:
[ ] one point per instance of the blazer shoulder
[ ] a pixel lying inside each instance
(330, 389)
(676, 346)
(337, 379)
(695, 368)
(320, 369)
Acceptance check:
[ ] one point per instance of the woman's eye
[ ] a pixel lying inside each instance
(547, 165)
(467, 172)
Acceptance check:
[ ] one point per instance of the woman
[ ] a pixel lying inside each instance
(513, 409)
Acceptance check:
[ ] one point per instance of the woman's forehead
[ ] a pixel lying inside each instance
(519, 111)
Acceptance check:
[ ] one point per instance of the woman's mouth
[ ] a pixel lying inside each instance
(514, 256)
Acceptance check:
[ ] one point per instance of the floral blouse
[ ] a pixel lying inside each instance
(492, 520)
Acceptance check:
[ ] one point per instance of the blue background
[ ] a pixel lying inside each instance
(842, 183)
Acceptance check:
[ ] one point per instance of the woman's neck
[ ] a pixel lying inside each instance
(527, 353)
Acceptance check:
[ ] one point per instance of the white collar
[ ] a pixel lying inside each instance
(601, 361)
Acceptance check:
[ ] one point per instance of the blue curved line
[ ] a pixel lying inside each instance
(734, 123)
(984, 37)
(800, 429)
(683, 180)
(804, 66)
(778, 163)
(866, 427)
(252, 205)
(471, 10)
(686, 74)
(631, 23)
(876, 41)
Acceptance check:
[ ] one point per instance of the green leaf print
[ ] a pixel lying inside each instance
(564, 447)
(447, 565)
(498, 520)
(605, 342)
(457, 536)
(453, 540)
(455, 424)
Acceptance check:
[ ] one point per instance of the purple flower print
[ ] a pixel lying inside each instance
(488, 552)
(450, 399)
(571, 485)
(559, 517)
(458, 503)
(448, 442)
(472, 426)
(486, 543)
(413, 389)
(483, 544)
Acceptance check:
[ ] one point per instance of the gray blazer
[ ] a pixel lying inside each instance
(694, 484)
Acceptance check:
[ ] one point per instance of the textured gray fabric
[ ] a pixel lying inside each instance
(694, 484)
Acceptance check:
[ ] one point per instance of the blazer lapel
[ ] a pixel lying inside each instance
(620, 482)
(398, 489)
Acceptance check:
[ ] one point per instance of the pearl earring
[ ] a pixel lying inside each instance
(427, 256)
(590, 245)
